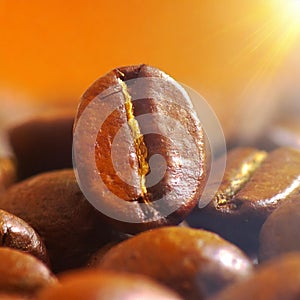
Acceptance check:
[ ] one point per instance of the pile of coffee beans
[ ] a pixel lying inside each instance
(102, 204)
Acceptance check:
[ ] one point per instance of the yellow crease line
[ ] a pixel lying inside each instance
(139, 143)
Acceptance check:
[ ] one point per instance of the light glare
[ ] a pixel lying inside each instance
(294, 10)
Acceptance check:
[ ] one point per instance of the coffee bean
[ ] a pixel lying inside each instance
(42, 143)
(103, 285)
(16, 233)
(126, 117)
(255, 184)
(222, 214)
(274, 182)
(276, 280)
(280, 232)
(194, 262)
(142, 160)
(22, 273)
(54, 206)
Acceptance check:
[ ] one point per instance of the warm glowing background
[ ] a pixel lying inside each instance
(241, 55)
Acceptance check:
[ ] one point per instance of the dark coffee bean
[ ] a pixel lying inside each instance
(194, 262)
(280, 232)
(272, 184)
(148, 113)
(22, 273)
(53, 204)
(222, 215)
(276, 280)
(103, 285)
(270, 181)
(16, 233)
(43, 143)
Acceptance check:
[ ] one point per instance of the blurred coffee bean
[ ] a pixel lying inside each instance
(193, 262)
(22, 273)
(52, 203)
(254, 185)
(42, 143)
(273, 183)
(276, 280)
(221, 214)
(104, 285)
(280, 233)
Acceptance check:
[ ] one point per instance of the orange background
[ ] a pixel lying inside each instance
(53, 50)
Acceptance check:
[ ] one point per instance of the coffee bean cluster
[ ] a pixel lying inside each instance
(58, 242)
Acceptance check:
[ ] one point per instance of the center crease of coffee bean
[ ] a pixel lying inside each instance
(239, 179)
(139, 144)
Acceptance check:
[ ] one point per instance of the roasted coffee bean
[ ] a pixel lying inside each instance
(193, 262)
(134, 113)
(22, 273)
(253, 186)
(276, 180)
(275, 280)
(221, 214)
(42, 143)
(53, 204)
(280, 232)
(103, 285)
(16, 233)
